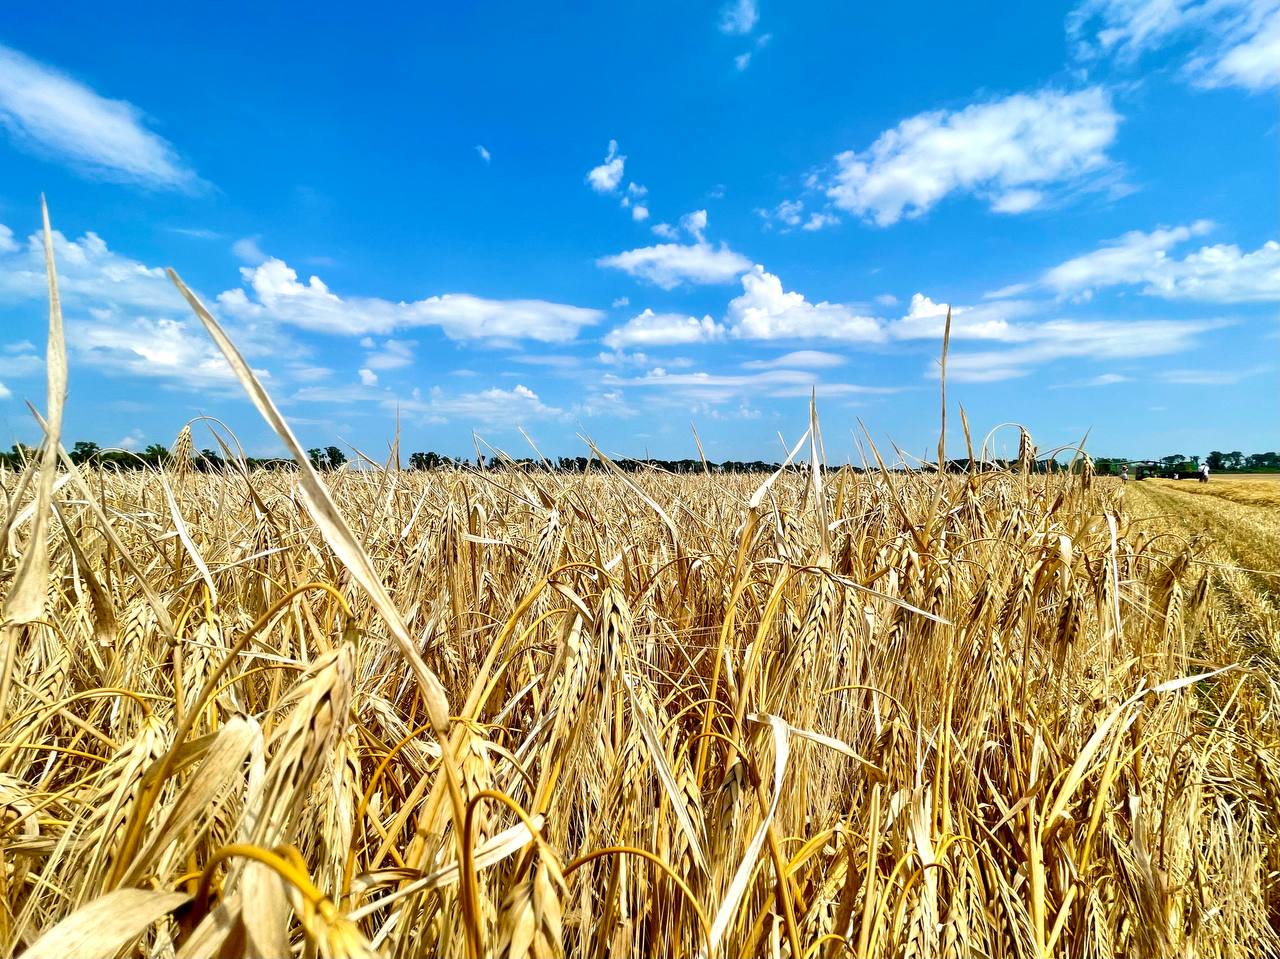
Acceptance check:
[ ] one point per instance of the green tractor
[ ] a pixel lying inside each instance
(1148, 468)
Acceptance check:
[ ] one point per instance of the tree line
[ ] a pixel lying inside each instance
(328, 458)
(1217, 461)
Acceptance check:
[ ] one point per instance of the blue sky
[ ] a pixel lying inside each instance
(623, 218)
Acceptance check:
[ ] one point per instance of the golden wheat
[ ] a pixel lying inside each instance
(529, 713)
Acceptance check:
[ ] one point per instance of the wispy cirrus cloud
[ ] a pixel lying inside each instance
(1068, 339)
(49, 113)
(1233, 42)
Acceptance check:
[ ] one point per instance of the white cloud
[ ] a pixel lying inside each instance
(491, 407)
(620, 302)
(7, 243)
(788, 213)
(248, 251)
(1017, 201)
(799, 359)
(118, 314)
(1076, 340)
(743, 60)
(88, 272)
(1002, 151)
(52, 114)
(669, 264)
(1221, 273)
(606, 177)
(392, 355)
(926, 319)
(663, 329)
(887, 299)
(1233, 42)
(720, 388)
(178, 351)
(739, 17)
(765, 312)
(132, 440)
(666, 231)
(4, 392)
(279, 296)
(484, 154)
(639, 213)
(621, 358)
(1253, 63)
(368, 377)
(695, 224)
(818, 221)
(1209, 377)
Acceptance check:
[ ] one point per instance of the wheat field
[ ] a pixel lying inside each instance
(529, 713)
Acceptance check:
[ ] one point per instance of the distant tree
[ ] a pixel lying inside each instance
(156, 453)
(84, 450)
(1235, 460)
(319, 461)
(1216, 460)
(1173, 461)
(336, 457)
(424, 461)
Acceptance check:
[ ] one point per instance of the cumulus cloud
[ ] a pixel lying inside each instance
(483, 154)
(51, 114)
(125, 317)
(88, 271)
(1221, 273)
(1008, 152)
(663, 329)
(1232, 42)
(764, 311)
(368, 377)
(156, 348)
(277, 294)
(669, 264)
(606, 177)
(926, 319)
